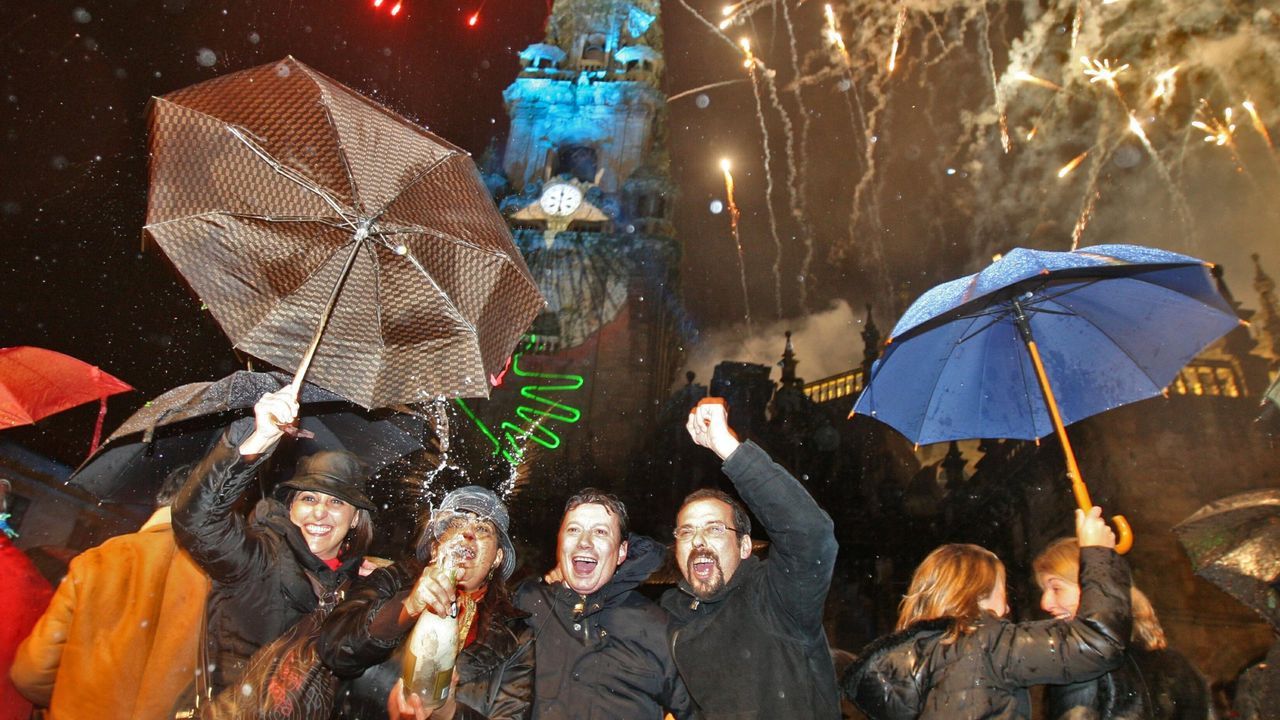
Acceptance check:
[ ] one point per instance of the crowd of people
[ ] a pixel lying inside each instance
(210, 612)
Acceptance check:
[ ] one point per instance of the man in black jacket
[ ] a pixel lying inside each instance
(600, 646)
(749, 641)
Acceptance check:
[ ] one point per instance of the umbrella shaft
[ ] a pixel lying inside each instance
(301, 373)
(1073, 470)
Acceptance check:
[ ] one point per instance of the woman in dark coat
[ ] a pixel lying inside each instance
(956, 657)
(362, 640)
(1153, 683)
(296, 551)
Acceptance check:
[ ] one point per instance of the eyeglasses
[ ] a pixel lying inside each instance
(711, 531)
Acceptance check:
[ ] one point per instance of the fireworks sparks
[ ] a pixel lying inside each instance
(897, 37)
(1258, 125)
(1082, 222)
(1026, 77)
(1101, 71)
(832, 33)
(1166, 83)
(1075, 162)
(1217, 131)
(725, 167)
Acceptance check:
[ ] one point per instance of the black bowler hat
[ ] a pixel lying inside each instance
(332, 472)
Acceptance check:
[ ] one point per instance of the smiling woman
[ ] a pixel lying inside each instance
(295, 553)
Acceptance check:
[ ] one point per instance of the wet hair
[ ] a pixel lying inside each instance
(949, 583)
(741, 520)
(1062, 558)
(172, 484)
(592, 496)
(358, 539)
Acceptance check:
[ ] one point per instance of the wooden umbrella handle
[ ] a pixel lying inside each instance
(1124, 533)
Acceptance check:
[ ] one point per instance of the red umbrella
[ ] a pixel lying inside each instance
(36, 383)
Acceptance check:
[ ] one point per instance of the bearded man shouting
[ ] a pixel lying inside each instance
(748, 635)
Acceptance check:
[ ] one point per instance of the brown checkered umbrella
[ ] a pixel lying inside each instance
(315, 222)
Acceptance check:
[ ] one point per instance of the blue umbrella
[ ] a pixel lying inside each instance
(1114, 324)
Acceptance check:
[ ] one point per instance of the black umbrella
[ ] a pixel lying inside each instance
(1235, 544)
(179, 427)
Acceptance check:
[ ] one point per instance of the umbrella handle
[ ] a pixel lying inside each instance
(1124, 533)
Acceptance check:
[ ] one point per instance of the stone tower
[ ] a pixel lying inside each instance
(584, 181)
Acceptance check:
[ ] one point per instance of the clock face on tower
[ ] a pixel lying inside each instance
(560, 199)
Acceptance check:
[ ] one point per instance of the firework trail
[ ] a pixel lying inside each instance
(897, 37)
(701, 88)
(788, 134)
(737, 241)
(1258, 125)
(750, 63)
(799, 192)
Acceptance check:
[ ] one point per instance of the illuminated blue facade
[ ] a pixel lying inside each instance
(584, 181)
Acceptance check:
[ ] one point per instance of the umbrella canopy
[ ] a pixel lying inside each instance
(1235, 544)
(36, 383)
(1115, 324)
(311, 220)
(179, 426)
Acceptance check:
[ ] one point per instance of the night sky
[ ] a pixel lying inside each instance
(919, 148)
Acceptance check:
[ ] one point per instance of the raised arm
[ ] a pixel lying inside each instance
(203, 518)
(803, 547)
(1092, 643)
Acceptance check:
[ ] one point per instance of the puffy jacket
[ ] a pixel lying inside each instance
(985, 674)
(265, 578)
(1149, 685)
(361, 642)
(133, 604)
(757, 648)
(605, 656)
(23, 596)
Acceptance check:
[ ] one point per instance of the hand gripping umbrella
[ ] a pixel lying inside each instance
(1039, 340)
(326, 233)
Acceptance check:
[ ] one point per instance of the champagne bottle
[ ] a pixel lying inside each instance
(431, 652)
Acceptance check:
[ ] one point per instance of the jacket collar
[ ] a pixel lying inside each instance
(162, 516)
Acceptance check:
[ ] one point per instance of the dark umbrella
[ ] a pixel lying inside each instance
(179, 426)
(1235, 544)
(1039, 340)
(36, 383)
(325, 232)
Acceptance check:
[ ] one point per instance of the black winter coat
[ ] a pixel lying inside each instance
(605, 656)
(757, 649)
(361, 641)
(985, 674)
(1149, 685)
(265, 578)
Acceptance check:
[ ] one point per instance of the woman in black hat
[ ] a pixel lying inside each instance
(362, 638)
(294, 553)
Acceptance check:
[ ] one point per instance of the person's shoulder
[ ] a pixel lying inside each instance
(531, 594)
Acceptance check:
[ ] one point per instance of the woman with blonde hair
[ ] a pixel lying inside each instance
(1152, 682)
(955, 655)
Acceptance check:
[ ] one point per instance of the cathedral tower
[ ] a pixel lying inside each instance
(584, 181)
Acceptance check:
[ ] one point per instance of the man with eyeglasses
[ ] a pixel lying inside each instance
(749, 641)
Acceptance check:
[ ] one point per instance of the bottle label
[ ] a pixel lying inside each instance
(440, 685)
